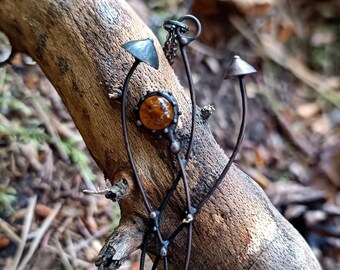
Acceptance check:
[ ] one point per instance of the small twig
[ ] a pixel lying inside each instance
(87, 181)
(2, 78)
(114, 193)
(45, 225)
(64, 225)
(44, 118)
(206, 50)
(97, 192)
(266, 45)
(81, 263)
(82, 228)
(27, 224)
(65, 131)
(286, 130)
(70, 248)
(9, 230)
(63, 256)
(84, 243)
(51, 130)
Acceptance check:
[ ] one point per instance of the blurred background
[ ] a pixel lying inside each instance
(291, 148)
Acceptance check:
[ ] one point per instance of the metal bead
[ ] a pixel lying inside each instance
(189, 218)
(175, 146)
(153, 215)
(163, 252)
(139, 123)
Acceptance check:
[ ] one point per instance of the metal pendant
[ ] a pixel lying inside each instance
(157, 112)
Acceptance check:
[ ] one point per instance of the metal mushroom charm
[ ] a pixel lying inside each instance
(238, 68)
(143, 51)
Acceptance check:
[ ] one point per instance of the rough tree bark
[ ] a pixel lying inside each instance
(78, 46)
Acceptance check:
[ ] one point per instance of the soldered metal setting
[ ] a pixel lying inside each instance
(157, 111)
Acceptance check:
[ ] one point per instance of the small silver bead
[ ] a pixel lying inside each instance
(189, 218)
(153, 215)
(163, 252)
(175, 146)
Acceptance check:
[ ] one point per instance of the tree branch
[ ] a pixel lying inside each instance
(78, 46)
(125, 239)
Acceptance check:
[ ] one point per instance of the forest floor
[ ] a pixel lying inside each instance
(291, 147)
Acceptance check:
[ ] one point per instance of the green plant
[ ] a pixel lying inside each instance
(78, 157)
(34, 134)
(7, 196)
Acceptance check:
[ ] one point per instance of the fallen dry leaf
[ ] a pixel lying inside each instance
(308, 110)
(42, 210)
(322, 125)
(4, 241)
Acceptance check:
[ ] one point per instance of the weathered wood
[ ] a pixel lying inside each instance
(78, 46)
(128, 236)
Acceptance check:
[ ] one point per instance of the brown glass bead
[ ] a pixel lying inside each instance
(156, 113)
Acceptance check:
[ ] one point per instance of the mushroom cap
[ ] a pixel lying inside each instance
(238, 67)
(143, 50)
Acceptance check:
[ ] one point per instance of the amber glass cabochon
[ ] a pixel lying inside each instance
(156, 112)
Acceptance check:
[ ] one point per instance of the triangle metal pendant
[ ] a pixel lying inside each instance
(238, 67)
(143, 50)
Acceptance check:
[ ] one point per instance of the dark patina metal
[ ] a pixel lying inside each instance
(162, 127)
(238, 67)
(144, 51)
